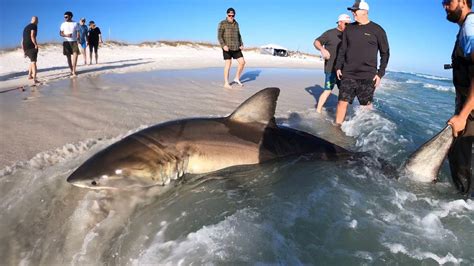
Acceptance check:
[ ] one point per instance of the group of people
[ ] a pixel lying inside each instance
(77, 36)
(350, 52)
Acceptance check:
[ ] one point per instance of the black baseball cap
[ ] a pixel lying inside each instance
(230, 9)
(68, 13)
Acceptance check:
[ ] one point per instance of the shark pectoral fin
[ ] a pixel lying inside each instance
(258, 108)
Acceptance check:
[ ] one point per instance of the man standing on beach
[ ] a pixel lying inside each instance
(70, 31)
(328, 44)
(356, 63)
(94, 37)
(228, 34)
(30, 46)
(83, 41)
(461, 154)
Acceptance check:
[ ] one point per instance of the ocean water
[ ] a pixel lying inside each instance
(289, 212)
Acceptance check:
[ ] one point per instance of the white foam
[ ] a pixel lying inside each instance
(372, 132)
(431, 77)
(396, 248)
(439, 87)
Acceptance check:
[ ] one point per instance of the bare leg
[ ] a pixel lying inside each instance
(228, 63)
(84, 52)
(240, 68)
(30, 71)
(322, 100)
(74, 63)
(90, 57)
(34, 70)
(341, 112)
(69, 62)
(96, 57)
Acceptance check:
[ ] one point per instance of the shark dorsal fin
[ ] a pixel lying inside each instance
(258, 108)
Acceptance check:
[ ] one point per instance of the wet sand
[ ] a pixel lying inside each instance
(104, 106)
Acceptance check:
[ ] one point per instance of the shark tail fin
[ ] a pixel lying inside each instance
(259, 108)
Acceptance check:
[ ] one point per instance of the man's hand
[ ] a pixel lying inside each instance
(339, 74)
(376, 80)
(226, 48)
(458, 124)
(241, 47)
(325, 53)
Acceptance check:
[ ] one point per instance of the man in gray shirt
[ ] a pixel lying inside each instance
(328, 43)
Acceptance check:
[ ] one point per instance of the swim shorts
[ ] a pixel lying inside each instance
(232, 54)
(362, 88)
(70, 48)
(330, 80)
(32, 54)
(83, 45)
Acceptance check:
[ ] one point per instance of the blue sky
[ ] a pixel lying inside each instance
(420, 37)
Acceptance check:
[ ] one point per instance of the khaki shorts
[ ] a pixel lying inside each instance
(70, 48)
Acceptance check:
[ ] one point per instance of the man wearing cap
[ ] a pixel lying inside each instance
(30, 46)
(94, 37)
(461, 154)
(70, 31)
(83, 39)
(228, 34)
(328, 44)
(356, 63)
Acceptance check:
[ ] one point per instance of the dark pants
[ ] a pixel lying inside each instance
(460, 162)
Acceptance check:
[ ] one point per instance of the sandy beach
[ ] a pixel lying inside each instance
(124, 58)
(64, 110)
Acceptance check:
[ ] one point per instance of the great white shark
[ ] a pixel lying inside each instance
(165, 152)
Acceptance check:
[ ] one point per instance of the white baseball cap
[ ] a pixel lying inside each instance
(344, 17)
(359, 5)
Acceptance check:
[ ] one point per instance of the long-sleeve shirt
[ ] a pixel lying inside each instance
(357, 56)
(228, 33)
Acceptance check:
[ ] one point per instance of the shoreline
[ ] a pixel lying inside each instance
(119, 58)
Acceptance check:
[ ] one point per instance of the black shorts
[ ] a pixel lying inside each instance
(362, 88)
(93, 45)
(32, 54)
(70, 48)
(232, 54)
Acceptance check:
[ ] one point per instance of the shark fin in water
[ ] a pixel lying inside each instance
(424, 164)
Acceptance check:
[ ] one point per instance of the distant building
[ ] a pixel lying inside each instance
(274, 49)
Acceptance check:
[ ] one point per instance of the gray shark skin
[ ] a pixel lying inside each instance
(424, 164)
(165, 152)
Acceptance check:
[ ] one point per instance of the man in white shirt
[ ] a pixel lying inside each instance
(70, 31)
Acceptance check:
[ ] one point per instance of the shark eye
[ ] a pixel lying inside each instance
(94, 183)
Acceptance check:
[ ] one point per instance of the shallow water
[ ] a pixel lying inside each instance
(293, 211)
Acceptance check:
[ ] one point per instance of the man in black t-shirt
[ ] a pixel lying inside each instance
(328, 44)
(356, 63)
(30, 46)
(94, 36)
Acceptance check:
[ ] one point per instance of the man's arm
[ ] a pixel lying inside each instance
(341, 55)
(220, 35)
(324, 52)
(33, 38)
(384, 51)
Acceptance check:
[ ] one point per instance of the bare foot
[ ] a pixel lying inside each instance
(227, 86)
(73, 75)
(238, 82)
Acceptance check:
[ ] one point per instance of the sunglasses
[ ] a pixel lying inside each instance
(231, 16)
(66, 17)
